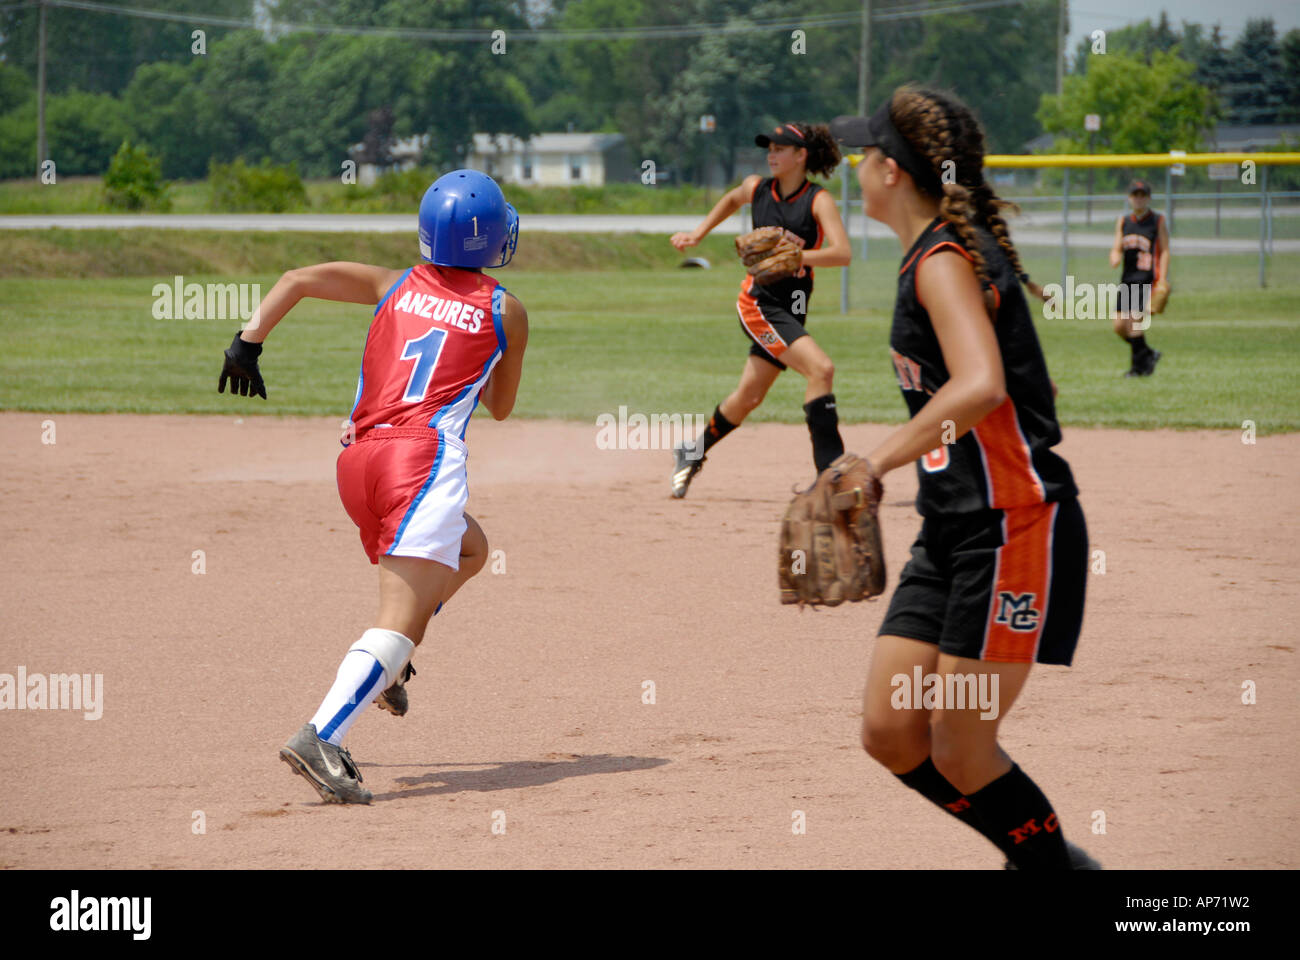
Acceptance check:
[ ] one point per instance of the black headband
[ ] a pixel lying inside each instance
(879, 131)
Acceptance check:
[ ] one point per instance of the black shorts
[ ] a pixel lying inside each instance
(1134, 290)
(770, 326)
(1001, 585)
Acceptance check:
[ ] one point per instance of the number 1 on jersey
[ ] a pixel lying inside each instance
(425, 352)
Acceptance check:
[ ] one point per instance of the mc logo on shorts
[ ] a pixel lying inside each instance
(1017, 612)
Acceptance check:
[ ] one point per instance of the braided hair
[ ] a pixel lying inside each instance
(943, 131)
(823, 150)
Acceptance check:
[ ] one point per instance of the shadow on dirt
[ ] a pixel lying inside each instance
(512, 775)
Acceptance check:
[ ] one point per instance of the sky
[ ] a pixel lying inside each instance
(1089, 15)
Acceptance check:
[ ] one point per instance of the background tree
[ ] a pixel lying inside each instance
(1144, 108)
(98, 52)
(1290, 53)
(1254, 89)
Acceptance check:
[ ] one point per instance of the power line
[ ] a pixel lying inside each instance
(927, 11)
(483, 35)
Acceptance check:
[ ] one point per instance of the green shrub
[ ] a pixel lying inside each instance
(266, 188)
(134, 180)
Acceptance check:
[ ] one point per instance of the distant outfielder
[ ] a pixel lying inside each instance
(1142, 245)
(444, 336)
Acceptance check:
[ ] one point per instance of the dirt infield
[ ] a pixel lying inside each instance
(529, 699)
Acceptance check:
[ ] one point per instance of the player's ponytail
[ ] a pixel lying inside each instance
(990, 207)
(943, 131)
(823, 150)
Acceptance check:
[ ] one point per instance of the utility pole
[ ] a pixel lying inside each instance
(864, 85)
(864, 59)
(40, 95)
(1062, 14)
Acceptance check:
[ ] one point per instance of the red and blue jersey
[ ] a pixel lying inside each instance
(435, 338)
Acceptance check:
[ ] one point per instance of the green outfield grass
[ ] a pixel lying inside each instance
(69, 195)
(658, 340)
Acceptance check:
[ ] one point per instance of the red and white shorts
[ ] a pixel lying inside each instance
(405, 488)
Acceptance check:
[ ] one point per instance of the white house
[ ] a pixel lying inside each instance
(553, 159)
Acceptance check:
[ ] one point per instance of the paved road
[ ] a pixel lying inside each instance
(1032, 231)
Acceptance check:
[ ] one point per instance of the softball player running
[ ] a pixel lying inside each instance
(773, 315)
(996, 577)
(444, 336)
(1142, 246)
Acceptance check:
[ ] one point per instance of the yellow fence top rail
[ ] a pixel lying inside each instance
(1135, 159)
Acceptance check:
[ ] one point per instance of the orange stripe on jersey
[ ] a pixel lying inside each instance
(938, 246)
(755, 324)
(1018, 605)
(793, 197)
(1008, 468)
(1155, 251)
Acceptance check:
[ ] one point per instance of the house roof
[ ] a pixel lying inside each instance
(547, 143)
(1224, 138)
(1245, 137)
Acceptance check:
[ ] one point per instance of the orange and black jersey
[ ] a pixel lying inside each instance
(769, 209)
(1006, 460)
(1140, 240)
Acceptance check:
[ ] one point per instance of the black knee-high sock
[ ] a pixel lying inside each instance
(719, 426)
(935, 787)
(1023, 820)
(824, 425)
(1139, 347)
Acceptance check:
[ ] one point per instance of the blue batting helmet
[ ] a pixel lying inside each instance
(466, 222)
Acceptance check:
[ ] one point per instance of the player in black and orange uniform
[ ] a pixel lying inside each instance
(996, 578)
(1142, 245)
(773, 315)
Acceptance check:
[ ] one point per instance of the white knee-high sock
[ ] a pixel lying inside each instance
(370, 667)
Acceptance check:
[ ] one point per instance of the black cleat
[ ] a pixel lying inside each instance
(1149, 367)
(685, 467)
(1079, 859)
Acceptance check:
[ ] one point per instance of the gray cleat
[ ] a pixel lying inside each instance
(394, 698)
(326, 767)
(685, 467)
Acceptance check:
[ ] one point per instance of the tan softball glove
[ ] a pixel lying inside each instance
(830, 547)
(1160, 297)
(769, 254)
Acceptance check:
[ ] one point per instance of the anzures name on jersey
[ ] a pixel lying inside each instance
(1006, 459)
(435, 338)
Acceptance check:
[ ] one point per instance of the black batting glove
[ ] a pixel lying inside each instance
(241, 370)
